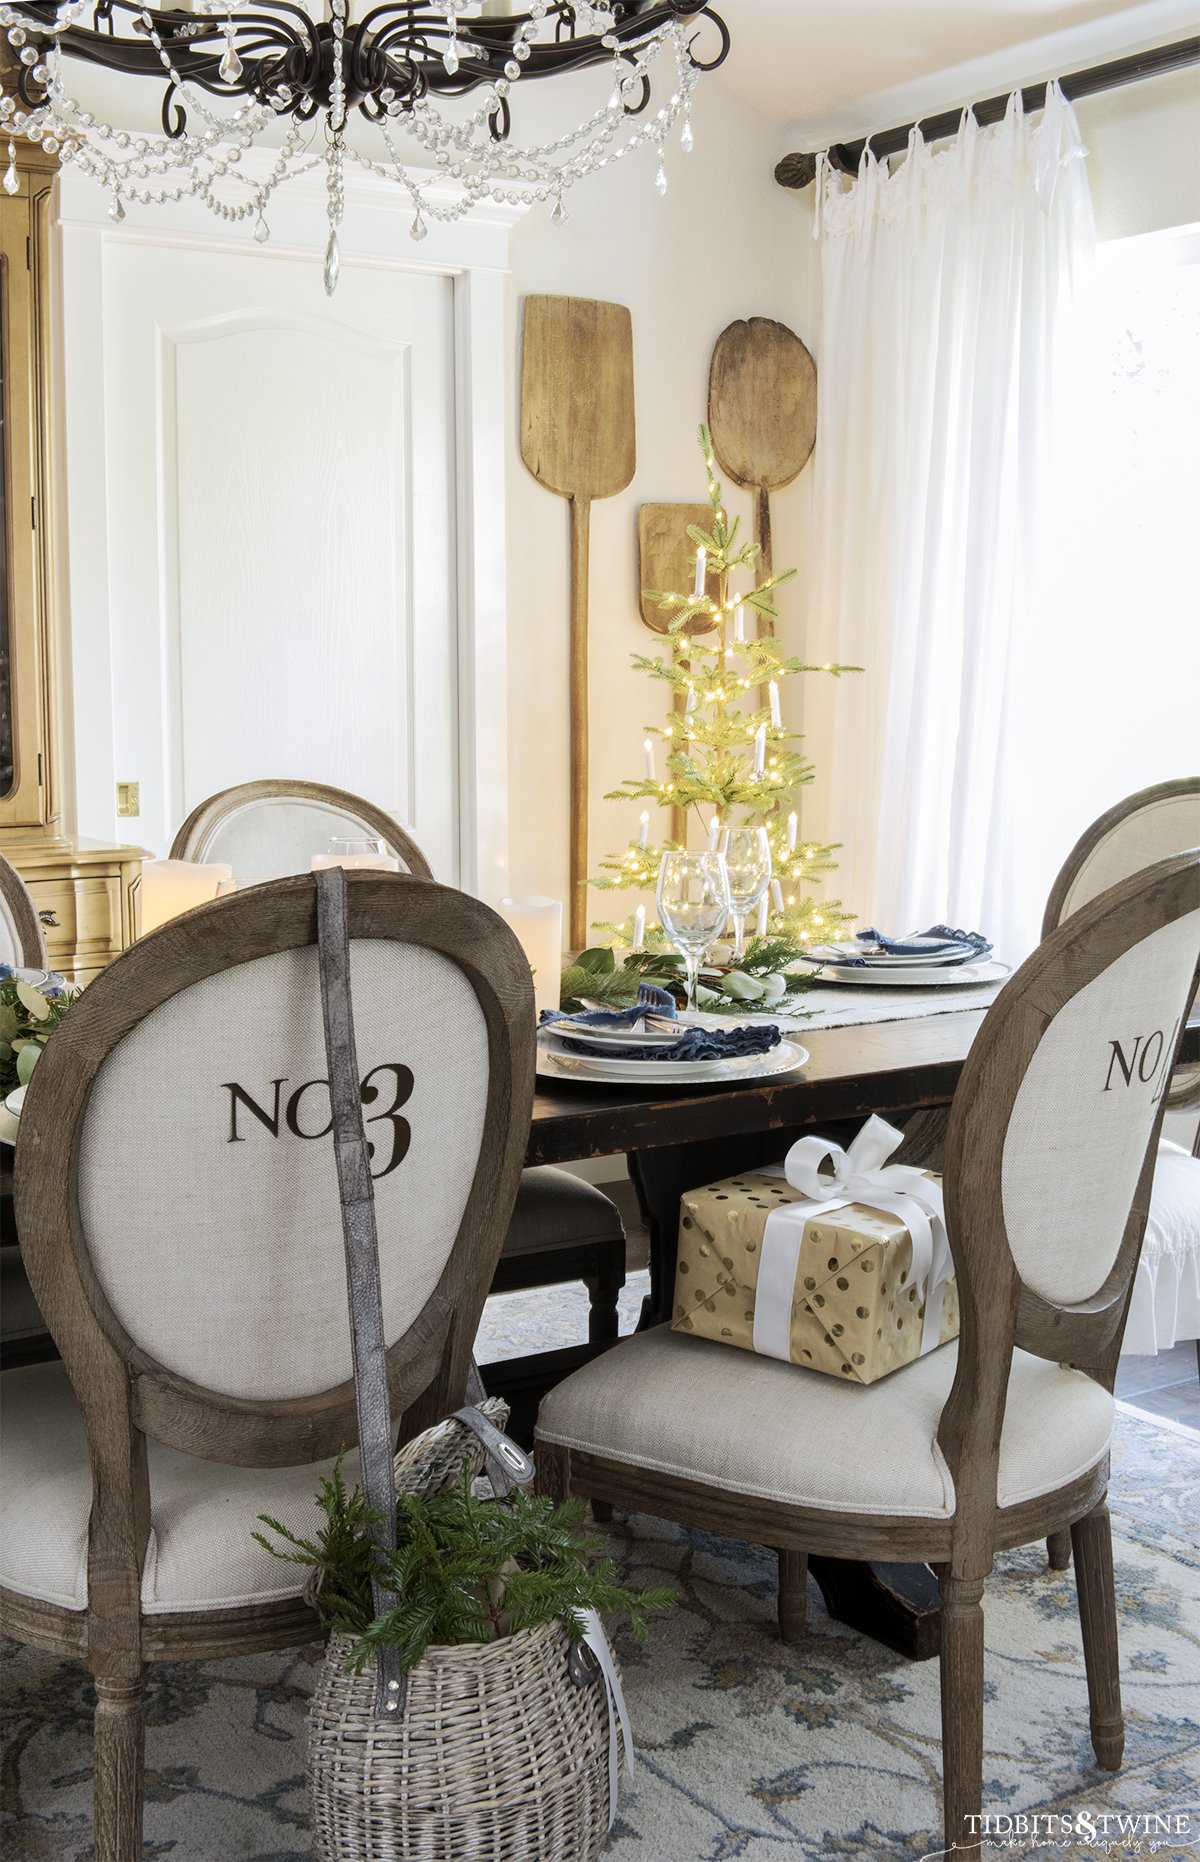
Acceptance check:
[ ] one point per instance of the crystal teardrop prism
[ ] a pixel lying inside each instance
(333, 264)
(660, 179)
(230, 67)
(559, 215)
(262, 231)
(418, 229)
(12, 180)
(450, 59)
(687, 141)
(117, 211)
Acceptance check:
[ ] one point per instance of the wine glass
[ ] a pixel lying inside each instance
(747, 854)
(693, 904)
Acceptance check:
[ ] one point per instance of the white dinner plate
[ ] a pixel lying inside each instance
(556, 1064)
(613, 1037)
(927, 977)
(884, 960)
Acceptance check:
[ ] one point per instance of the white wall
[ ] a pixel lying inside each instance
(1144, 154)
(723, 243)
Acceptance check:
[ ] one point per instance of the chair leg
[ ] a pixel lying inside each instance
(119, 1769)
(552, 1470)
(604, 1319)
(1092, 1540)
(962, 1710)
(793, 1595)
(1058, 1550)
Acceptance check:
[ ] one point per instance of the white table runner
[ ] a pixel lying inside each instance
(840, 1005)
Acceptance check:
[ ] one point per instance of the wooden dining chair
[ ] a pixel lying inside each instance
(994, 1441)
(178, 1206)
(22, 940)
(563, 1229)
(1164, 1305)
(265, 829)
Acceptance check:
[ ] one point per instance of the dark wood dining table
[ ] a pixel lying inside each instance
(904, 1070)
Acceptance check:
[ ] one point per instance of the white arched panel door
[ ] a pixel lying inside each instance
(278, 509)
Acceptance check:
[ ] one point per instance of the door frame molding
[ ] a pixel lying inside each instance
(473, 253)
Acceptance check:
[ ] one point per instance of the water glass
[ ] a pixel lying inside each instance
(747, 854)
(693, 904)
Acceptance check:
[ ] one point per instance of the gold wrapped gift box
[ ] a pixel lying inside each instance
(856, 1312)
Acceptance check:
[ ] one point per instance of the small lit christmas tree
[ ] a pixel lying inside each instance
(727, 754)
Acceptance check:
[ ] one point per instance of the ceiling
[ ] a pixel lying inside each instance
(834, 69)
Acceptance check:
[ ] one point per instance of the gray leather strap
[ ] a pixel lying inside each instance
(507, 1465)
(368, 1345)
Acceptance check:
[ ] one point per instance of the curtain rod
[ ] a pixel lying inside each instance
(797, 171)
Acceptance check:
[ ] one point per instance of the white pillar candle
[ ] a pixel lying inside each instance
(777, 895)
(648, 747)
(701, 571)
(644, 829)
(773, 695)
(169, 887)
(760, 749)
(355, 862)
(537, 922)
(739, 621)
(639, 928)
(760, 925)
(793, 824)
(497, 9)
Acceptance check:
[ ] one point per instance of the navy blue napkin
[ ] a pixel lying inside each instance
(696, 1044)
(935, 942)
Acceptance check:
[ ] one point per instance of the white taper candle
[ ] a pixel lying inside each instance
(773, 695)
(760, 749)
(644, 829)
(777, 895)
(760, 925)
(648, 747)
(793, 824)
(639, 928)
(701, 571)
(739, 621)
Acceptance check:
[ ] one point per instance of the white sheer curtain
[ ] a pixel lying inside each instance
(945, 286)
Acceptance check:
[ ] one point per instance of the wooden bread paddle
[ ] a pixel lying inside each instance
(667, 562)
(577, 438)
(762, 414)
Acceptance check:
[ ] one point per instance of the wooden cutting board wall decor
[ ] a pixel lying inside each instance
(667, 561)
(762, 414)
(577, 438)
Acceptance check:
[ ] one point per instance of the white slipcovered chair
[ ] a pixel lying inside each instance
(206, 1370)
(23, 946)
(22, 941)
(266, 829)
(998, 1439)
(1137, 832)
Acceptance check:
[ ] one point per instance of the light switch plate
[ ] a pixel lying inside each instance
(128, 802)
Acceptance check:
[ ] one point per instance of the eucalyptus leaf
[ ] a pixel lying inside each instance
(33, 1000)
(598, 960)
(27, 1060)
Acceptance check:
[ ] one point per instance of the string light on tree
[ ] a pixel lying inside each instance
(728, 760)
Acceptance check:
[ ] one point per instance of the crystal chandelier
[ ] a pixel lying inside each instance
(229, 68)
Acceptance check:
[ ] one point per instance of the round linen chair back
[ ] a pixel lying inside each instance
(1141, 830)
(265, 830)
(1050, 1147)
(185, 1109)
(22, 944)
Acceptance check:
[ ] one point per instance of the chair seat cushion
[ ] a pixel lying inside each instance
(1165, 1306)
(709, 1413)
(556, 1210)
(200, 1554)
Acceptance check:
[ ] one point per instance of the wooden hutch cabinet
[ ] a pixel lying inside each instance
(83, 890)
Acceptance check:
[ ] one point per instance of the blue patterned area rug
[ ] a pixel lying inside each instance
(828, 1751)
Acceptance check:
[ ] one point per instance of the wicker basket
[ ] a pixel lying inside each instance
(499, 1756)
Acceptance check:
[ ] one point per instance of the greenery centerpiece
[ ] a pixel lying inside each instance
(29, 1014)
(464, 1569)
(726, 758)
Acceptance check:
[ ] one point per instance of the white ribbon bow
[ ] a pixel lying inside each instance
(597, 1642)
(860, 1174)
